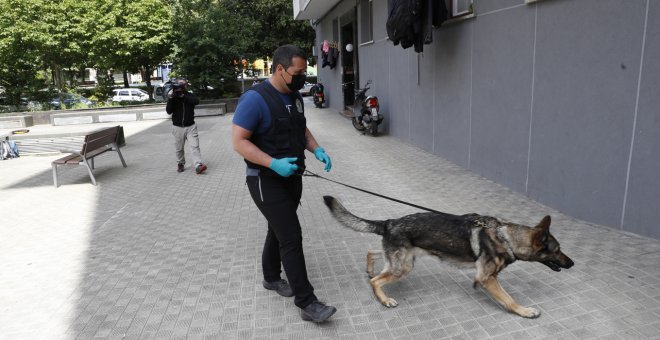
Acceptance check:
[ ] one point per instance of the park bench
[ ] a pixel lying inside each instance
(96, 143)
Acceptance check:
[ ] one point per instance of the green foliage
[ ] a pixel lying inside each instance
(131, 35)
(19, 62)
(43, 43)
(275, 25)
(105, 84)
(212, 35)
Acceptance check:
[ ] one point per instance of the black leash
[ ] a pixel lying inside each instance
(311, 174)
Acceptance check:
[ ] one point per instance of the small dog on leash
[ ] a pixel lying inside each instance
(490, 244)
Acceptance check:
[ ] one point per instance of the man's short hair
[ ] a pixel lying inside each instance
(284, 54)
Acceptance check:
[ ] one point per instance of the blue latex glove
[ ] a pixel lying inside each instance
(323, 157)
(284, 167)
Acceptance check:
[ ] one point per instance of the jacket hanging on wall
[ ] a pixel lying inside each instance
(329, 54)
(411, 22)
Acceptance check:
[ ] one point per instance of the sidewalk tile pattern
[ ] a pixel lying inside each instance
(150, 253)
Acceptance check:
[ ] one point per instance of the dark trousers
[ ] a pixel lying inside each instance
(278, 198)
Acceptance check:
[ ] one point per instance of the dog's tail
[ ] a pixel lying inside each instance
(351, 221)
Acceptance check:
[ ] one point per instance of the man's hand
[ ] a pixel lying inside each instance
(284, 167)
(323, 157)
(170, 93)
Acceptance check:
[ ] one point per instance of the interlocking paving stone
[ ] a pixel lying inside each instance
(150, 253)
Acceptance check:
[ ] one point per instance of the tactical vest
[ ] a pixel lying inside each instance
(286, 135)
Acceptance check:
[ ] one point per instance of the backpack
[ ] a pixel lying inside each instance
(8, 149)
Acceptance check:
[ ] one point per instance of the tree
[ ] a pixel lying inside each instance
(17, 67)
(60, 36)
(275, 25)
(204, 38)
(19, 63)
(132, 36)
(211, 36)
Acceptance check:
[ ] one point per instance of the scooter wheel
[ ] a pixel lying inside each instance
(357, 124)
(318, 105)
(373, 130)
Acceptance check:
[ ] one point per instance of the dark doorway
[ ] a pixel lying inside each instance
(349, 60)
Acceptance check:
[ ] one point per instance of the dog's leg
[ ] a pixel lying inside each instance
(371, 258)
(377, 284)
(498, 293)
(487, 276)
(397, 265)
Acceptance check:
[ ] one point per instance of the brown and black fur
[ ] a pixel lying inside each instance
(486, 242)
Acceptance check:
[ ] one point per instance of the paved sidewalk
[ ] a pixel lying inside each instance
(150, 253)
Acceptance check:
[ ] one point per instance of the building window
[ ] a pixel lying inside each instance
(366, 19)
(459, 8)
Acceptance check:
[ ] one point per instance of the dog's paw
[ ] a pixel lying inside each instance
(390, 303)
(529, 312)
(370, 273)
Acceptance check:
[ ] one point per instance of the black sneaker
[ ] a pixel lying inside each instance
(280, 287)
(317, 312)
(179, 168)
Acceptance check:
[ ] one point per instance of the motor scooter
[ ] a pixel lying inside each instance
(366, 116)
(317, 94)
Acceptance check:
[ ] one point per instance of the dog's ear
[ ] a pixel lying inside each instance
(541, 232)
(545, 223)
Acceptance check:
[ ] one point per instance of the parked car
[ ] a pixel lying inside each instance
(305, 91)
(129, 95)
(70, 100)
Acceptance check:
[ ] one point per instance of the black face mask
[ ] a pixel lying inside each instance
(297, 82)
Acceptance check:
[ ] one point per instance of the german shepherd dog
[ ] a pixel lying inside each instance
(490, 244)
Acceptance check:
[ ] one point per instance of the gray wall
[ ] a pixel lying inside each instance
(557, 100)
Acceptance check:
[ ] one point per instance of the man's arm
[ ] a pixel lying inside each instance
(191, 98)
(311, 141)
(169, 108)
(240, 139)
(318, 151)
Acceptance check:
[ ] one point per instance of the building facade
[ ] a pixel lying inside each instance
(555, 99)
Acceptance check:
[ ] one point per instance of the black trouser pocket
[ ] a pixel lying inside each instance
(267, 190)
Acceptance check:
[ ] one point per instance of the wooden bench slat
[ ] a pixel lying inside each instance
(99, 140)
(103, 132)
(65, 159)
(94, 153)
(75, 161)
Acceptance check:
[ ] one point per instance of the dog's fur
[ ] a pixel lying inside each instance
(486, 242)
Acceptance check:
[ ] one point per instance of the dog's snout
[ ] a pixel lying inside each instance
(567, 262)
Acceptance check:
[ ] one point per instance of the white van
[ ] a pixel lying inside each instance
(129, 95)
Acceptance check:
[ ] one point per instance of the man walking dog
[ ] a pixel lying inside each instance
(269, 130)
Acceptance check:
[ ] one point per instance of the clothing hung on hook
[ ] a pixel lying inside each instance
(329, 54)
(411, 22)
